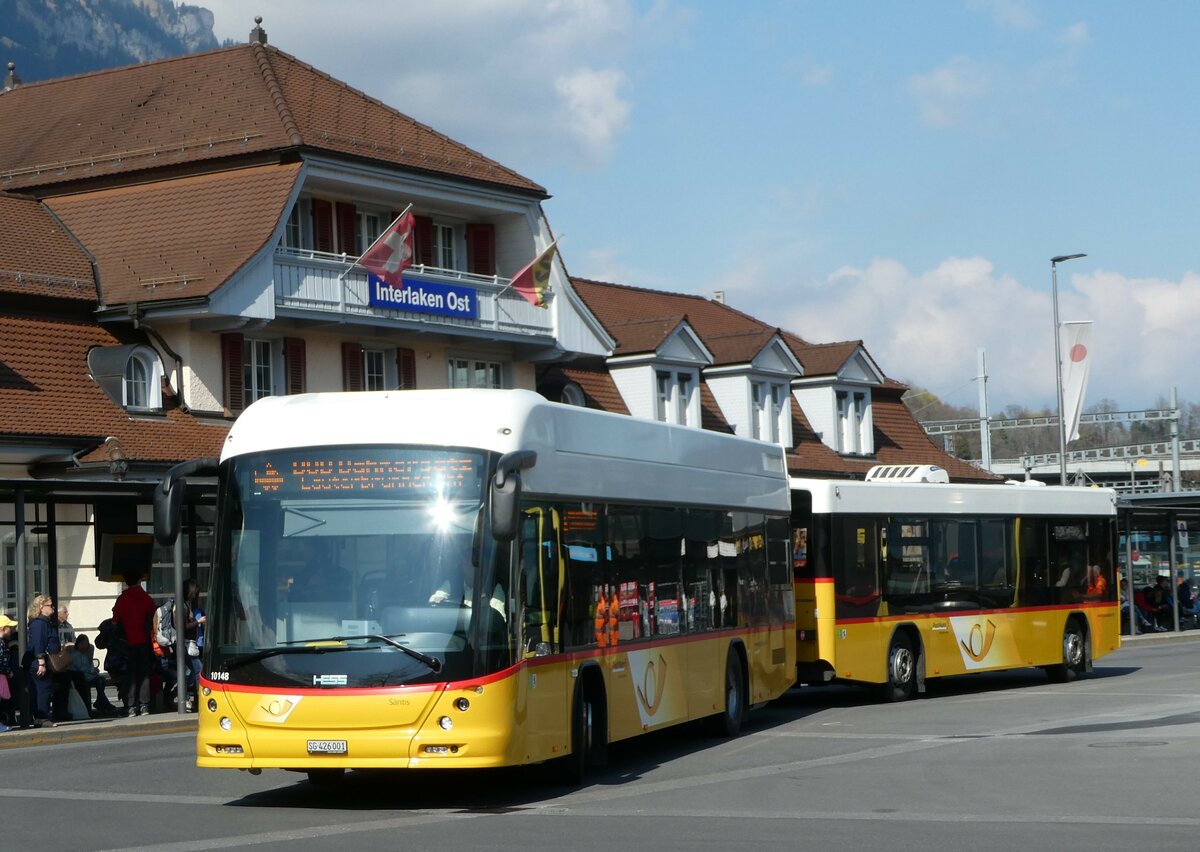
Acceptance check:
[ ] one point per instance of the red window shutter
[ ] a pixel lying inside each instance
(347, 223)
(406, 368)
(231, 369)
(352, 366)
(481, 248)
(423, 241)
(322, 221)
(294, 363)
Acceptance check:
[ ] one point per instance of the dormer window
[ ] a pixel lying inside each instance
(131, 375)
(767, 406)
(853, 426)
(674, 397)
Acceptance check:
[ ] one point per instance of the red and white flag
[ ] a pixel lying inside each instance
(392, 252)
(1076, 340)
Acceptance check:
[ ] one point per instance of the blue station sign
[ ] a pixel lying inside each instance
(424, 297)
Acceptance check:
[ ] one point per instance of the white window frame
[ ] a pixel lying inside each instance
(683, 398)
(297, 233)
(464, 371)
(370, 225)
(145, 360)
(260, 377)
(444, 245)
(375, 369)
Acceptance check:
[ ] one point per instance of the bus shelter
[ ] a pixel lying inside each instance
(1159, 537)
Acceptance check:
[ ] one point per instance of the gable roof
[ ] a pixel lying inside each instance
(203, 228)
(45, 390)
(718, 326)
(235, 101)
(39, 258)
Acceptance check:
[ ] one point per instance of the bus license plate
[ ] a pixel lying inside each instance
(326, 746)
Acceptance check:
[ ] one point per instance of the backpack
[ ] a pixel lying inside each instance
(111, 637)
(164, 626)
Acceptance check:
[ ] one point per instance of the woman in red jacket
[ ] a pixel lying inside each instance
(133, 612)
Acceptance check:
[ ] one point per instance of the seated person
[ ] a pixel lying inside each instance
(1097, 585)
(92, 678)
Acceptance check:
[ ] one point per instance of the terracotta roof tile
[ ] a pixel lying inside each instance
(822, 359)
(45, 390)
(597, 385)
(37, 257)
(203, 228)
(224, 103)
(615, 305)
(643, 335)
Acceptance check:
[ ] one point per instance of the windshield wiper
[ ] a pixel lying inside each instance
(255, 656)
(434, 663)
(306, 646)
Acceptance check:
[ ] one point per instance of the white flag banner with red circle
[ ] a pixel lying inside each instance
(1076, 343)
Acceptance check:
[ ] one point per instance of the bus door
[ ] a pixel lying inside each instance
(542, 677)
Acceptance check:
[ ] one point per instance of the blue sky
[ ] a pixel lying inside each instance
(899, 173)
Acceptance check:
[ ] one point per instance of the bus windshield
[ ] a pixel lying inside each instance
(375, 549)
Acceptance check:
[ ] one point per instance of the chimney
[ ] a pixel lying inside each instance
(258, 34)
(11, 80)
(719, 297)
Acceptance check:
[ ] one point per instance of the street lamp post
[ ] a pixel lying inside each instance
(1062, 426)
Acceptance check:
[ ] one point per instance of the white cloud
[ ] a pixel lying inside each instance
(926, 327)
(1076, 34)
(596, 115)
(1017, 14)
(946, 94)
(525, 82)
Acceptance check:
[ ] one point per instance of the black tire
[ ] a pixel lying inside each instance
(901, 669)
(728, 723)
(572, 769)
(325, 779)
(1072, 665)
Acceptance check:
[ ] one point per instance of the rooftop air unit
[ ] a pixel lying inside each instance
(907, 473)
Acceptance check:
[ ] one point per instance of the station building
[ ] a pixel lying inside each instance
(179, 240)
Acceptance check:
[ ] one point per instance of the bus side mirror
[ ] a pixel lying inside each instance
(168, 496)
(506, 493)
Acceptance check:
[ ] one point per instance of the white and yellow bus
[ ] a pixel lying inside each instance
(478, 578)
(906, 577)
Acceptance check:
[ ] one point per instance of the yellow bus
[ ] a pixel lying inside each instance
(905, 577)
(481, 578)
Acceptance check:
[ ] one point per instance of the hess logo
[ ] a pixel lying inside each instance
(979, 641)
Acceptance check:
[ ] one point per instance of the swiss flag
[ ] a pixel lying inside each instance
(392, 253)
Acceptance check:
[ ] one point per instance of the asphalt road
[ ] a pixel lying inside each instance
(985, 762)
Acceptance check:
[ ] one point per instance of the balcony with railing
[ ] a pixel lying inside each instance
(313, 281)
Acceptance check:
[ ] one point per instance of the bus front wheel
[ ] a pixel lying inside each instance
(1072, 664)
(728, 723)
(572, 768)
(901, 669)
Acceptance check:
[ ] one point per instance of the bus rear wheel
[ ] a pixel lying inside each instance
(1072, 664)
(901, 669)
(728, 723)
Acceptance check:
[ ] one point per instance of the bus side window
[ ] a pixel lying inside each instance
(581, 552)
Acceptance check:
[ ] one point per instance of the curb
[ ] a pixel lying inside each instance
(99, 729)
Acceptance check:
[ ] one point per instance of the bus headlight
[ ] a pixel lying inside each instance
(445, 723)
(462, 704)
(226, 723)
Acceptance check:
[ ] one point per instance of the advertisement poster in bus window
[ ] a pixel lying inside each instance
(800, 547)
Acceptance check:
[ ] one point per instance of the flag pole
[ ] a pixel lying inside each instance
(382, 234)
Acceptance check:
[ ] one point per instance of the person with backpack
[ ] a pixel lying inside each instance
(133, 612)
(111, 639)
